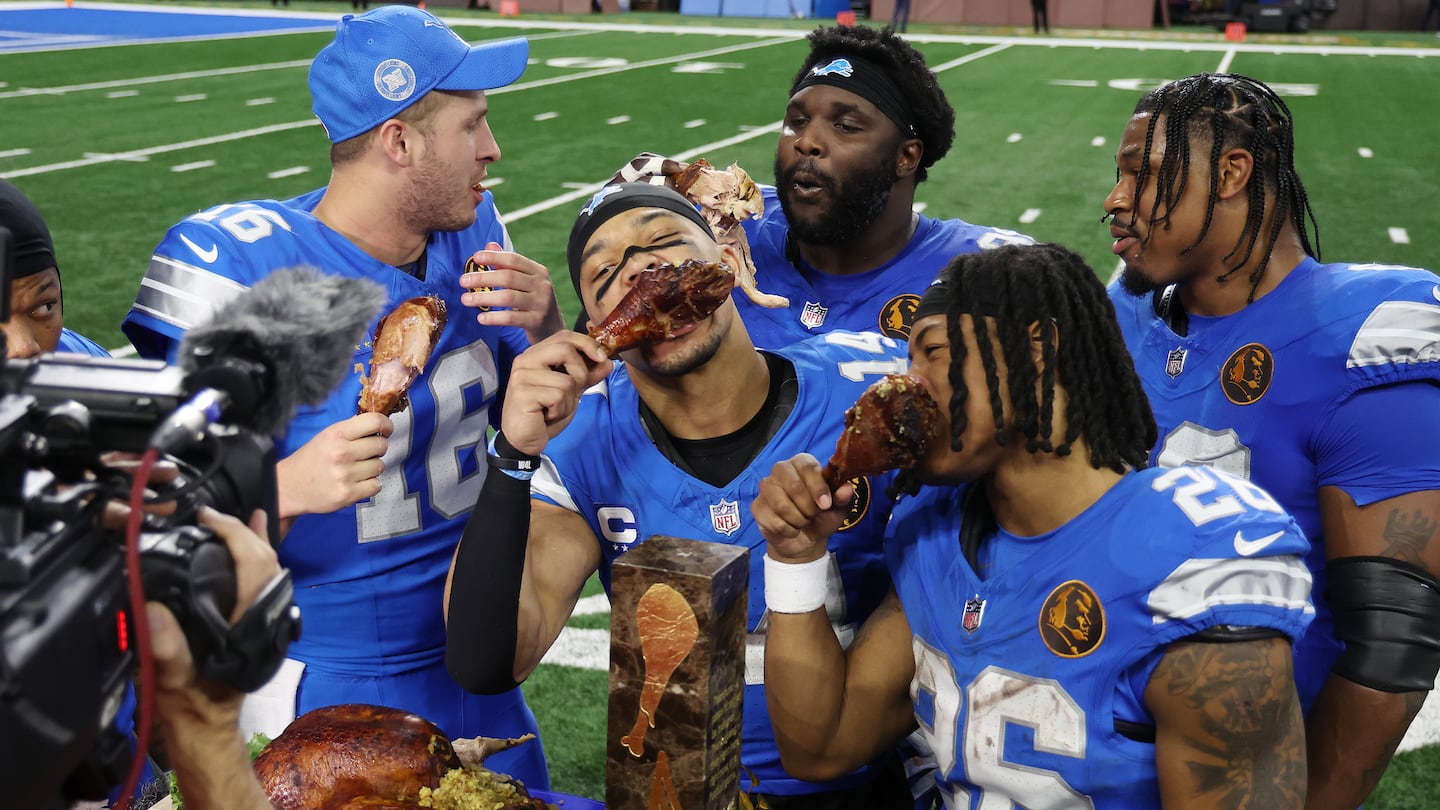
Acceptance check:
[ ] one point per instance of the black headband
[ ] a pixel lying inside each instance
(31, 247)
(934, 301)
(866, 80)
(616, 199)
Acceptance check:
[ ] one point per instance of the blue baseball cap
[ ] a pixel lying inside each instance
(385, 60)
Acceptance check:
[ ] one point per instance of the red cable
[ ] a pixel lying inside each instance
(141, 622)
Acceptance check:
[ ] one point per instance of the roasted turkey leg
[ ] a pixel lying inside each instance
(664, 299)
(889, 427)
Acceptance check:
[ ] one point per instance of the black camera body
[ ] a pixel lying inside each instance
(66, 628)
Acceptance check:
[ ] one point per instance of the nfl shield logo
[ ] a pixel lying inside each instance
(1175, 363)
(974, 612)
(813, 315)
(725, 517)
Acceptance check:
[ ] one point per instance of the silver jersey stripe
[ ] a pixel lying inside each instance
(181, 294)
(1397, 333)
(547, 482)
(1201, 584)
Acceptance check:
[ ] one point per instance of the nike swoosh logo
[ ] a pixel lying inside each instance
(1245, 548)
(207, 256)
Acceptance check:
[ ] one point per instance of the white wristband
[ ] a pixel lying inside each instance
(796, 587)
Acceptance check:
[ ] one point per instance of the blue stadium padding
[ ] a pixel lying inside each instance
(827, 9)
(707, 8)
(762, 8)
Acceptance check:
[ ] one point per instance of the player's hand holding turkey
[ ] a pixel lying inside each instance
(546, 382)
(339, 466)
(797, 512)
(511, 290)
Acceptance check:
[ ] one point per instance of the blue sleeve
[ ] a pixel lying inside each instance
(1382, 442)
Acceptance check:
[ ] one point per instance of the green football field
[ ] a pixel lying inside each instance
(117, 143)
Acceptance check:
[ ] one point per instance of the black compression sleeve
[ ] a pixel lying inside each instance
(481, 632)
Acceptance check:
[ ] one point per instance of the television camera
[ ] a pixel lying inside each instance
(67, 630)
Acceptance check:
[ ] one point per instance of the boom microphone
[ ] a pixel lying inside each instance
(284, 342)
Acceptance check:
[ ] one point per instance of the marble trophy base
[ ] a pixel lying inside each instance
(677, 676)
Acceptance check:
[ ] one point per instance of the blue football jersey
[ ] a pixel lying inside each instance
(1022, 673)
(881, 300)
(1251, 393)
(627, 490)
(369, 578)
(72, 342)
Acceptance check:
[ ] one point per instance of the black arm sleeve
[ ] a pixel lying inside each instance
(484, 612)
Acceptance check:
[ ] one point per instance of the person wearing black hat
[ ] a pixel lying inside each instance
(593, 456)
(36, 323)
(374, 503)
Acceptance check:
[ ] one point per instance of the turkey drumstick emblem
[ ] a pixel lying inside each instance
(668, 631)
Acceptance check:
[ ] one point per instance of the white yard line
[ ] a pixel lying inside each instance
(1225, 61)
(142, 154)
(168, 77)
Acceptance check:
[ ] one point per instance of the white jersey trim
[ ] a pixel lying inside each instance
(1397, 333)
(1199, 585)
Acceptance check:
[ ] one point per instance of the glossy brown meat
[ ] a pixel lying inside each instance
(358, 756)
(889, 427)
(664, 299)
(401, 346)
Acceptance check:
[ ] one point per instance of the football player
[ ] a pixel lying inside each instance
(1263, 362)
(1068, 628)
(378, 502)
(37, 320)
(839, 235)
(673, 441)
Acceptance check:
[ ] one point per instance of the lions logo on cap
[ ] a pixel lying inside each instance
(1247, 373)
(395, 79)
(1072, 622)
(859, 505)
(840, 66)
(597, 199)
(897, 316)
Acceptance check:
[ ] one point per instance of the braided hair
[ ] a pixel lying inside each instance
(1230, 111)
(1010, 288)
(934, 117)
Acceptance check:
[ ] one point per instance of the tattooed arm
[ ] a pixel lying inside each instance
(1228, 727)
(1353, 730)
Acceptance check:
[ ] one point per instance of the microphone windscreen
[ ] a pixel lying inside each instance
(301, 325)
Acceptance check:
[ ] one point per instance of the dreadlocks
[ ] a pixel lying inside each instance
(934, 117)
(1229, 111)
(1010, 288)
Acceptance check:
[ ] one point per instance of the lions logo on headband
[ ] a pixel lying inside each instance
(599, 198)
(841, 67)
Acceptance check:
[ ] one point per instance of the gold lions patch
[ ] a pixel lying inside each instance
(472, 266)
(859, 505)
(1072, 621)
(1246, 375)
(897, 315)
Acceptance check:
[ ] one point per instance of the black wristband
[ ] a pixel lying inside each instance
(504, 456)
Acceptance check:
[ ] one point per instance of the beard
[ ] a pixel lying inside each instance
(681, 363)
(1135, 283)
(855, 203)
(427, 211)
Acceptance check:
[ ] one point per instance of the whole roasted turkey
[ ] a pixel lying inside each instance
(359, 756)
